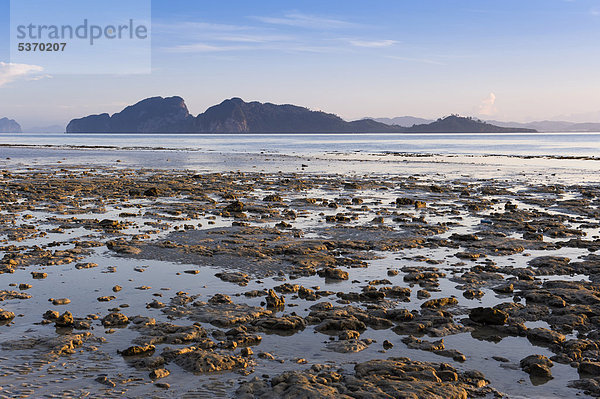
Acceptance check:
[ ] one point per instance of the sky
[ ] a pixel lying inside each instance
(509, 60)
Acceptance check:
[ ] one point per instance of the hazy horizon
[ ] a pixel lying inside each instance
(506, 61)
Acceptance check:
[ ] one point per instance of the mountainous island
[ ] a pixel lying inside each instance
(553, 126)
(170, 115)
(9, 126)
(548, 126)
(459, 124)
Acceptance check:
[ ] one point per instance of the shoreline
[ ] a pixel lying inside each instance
(393, 153)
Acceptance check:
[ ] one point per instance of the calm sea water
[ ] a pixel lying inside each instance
(568, 144)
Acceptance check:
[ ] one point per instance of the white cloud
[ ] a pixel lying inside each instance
(373, 44)
(488, 105)
(10, 72)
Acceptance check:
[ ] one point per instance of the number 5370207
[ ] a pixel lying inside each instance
(41, 46)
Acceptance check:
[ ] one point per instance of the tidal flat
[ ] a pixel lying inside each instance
(119, 281)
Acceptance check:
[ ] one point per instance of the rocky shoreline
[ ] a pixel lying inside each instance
(173, 283)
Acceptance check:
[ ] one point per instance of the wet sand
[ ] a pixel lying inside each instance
(267, 275)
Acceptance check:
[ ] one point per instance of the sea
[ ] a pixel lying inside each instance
(538, 144)
(545, 158)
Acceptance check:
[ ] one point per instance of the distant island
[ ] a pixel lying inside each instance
(547, 126)
(405, 121)
(459, 124)
(9, 126)
(554, 126)
(170, 115)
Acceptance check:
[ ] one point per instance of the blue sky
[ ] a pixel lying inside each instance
(506, 60)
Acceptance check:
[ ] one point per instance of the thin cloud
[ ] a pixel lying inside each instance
(39, 77)
(10, 72)
(206, 48)
(251, 38)
(209, 37)
(306, 21)
(280, 47)
(203, 37)
(188, 27)
(203, 32)
(373, 44)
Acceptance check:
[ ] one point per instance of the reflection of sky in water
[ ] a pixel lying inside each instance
(585, 144)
